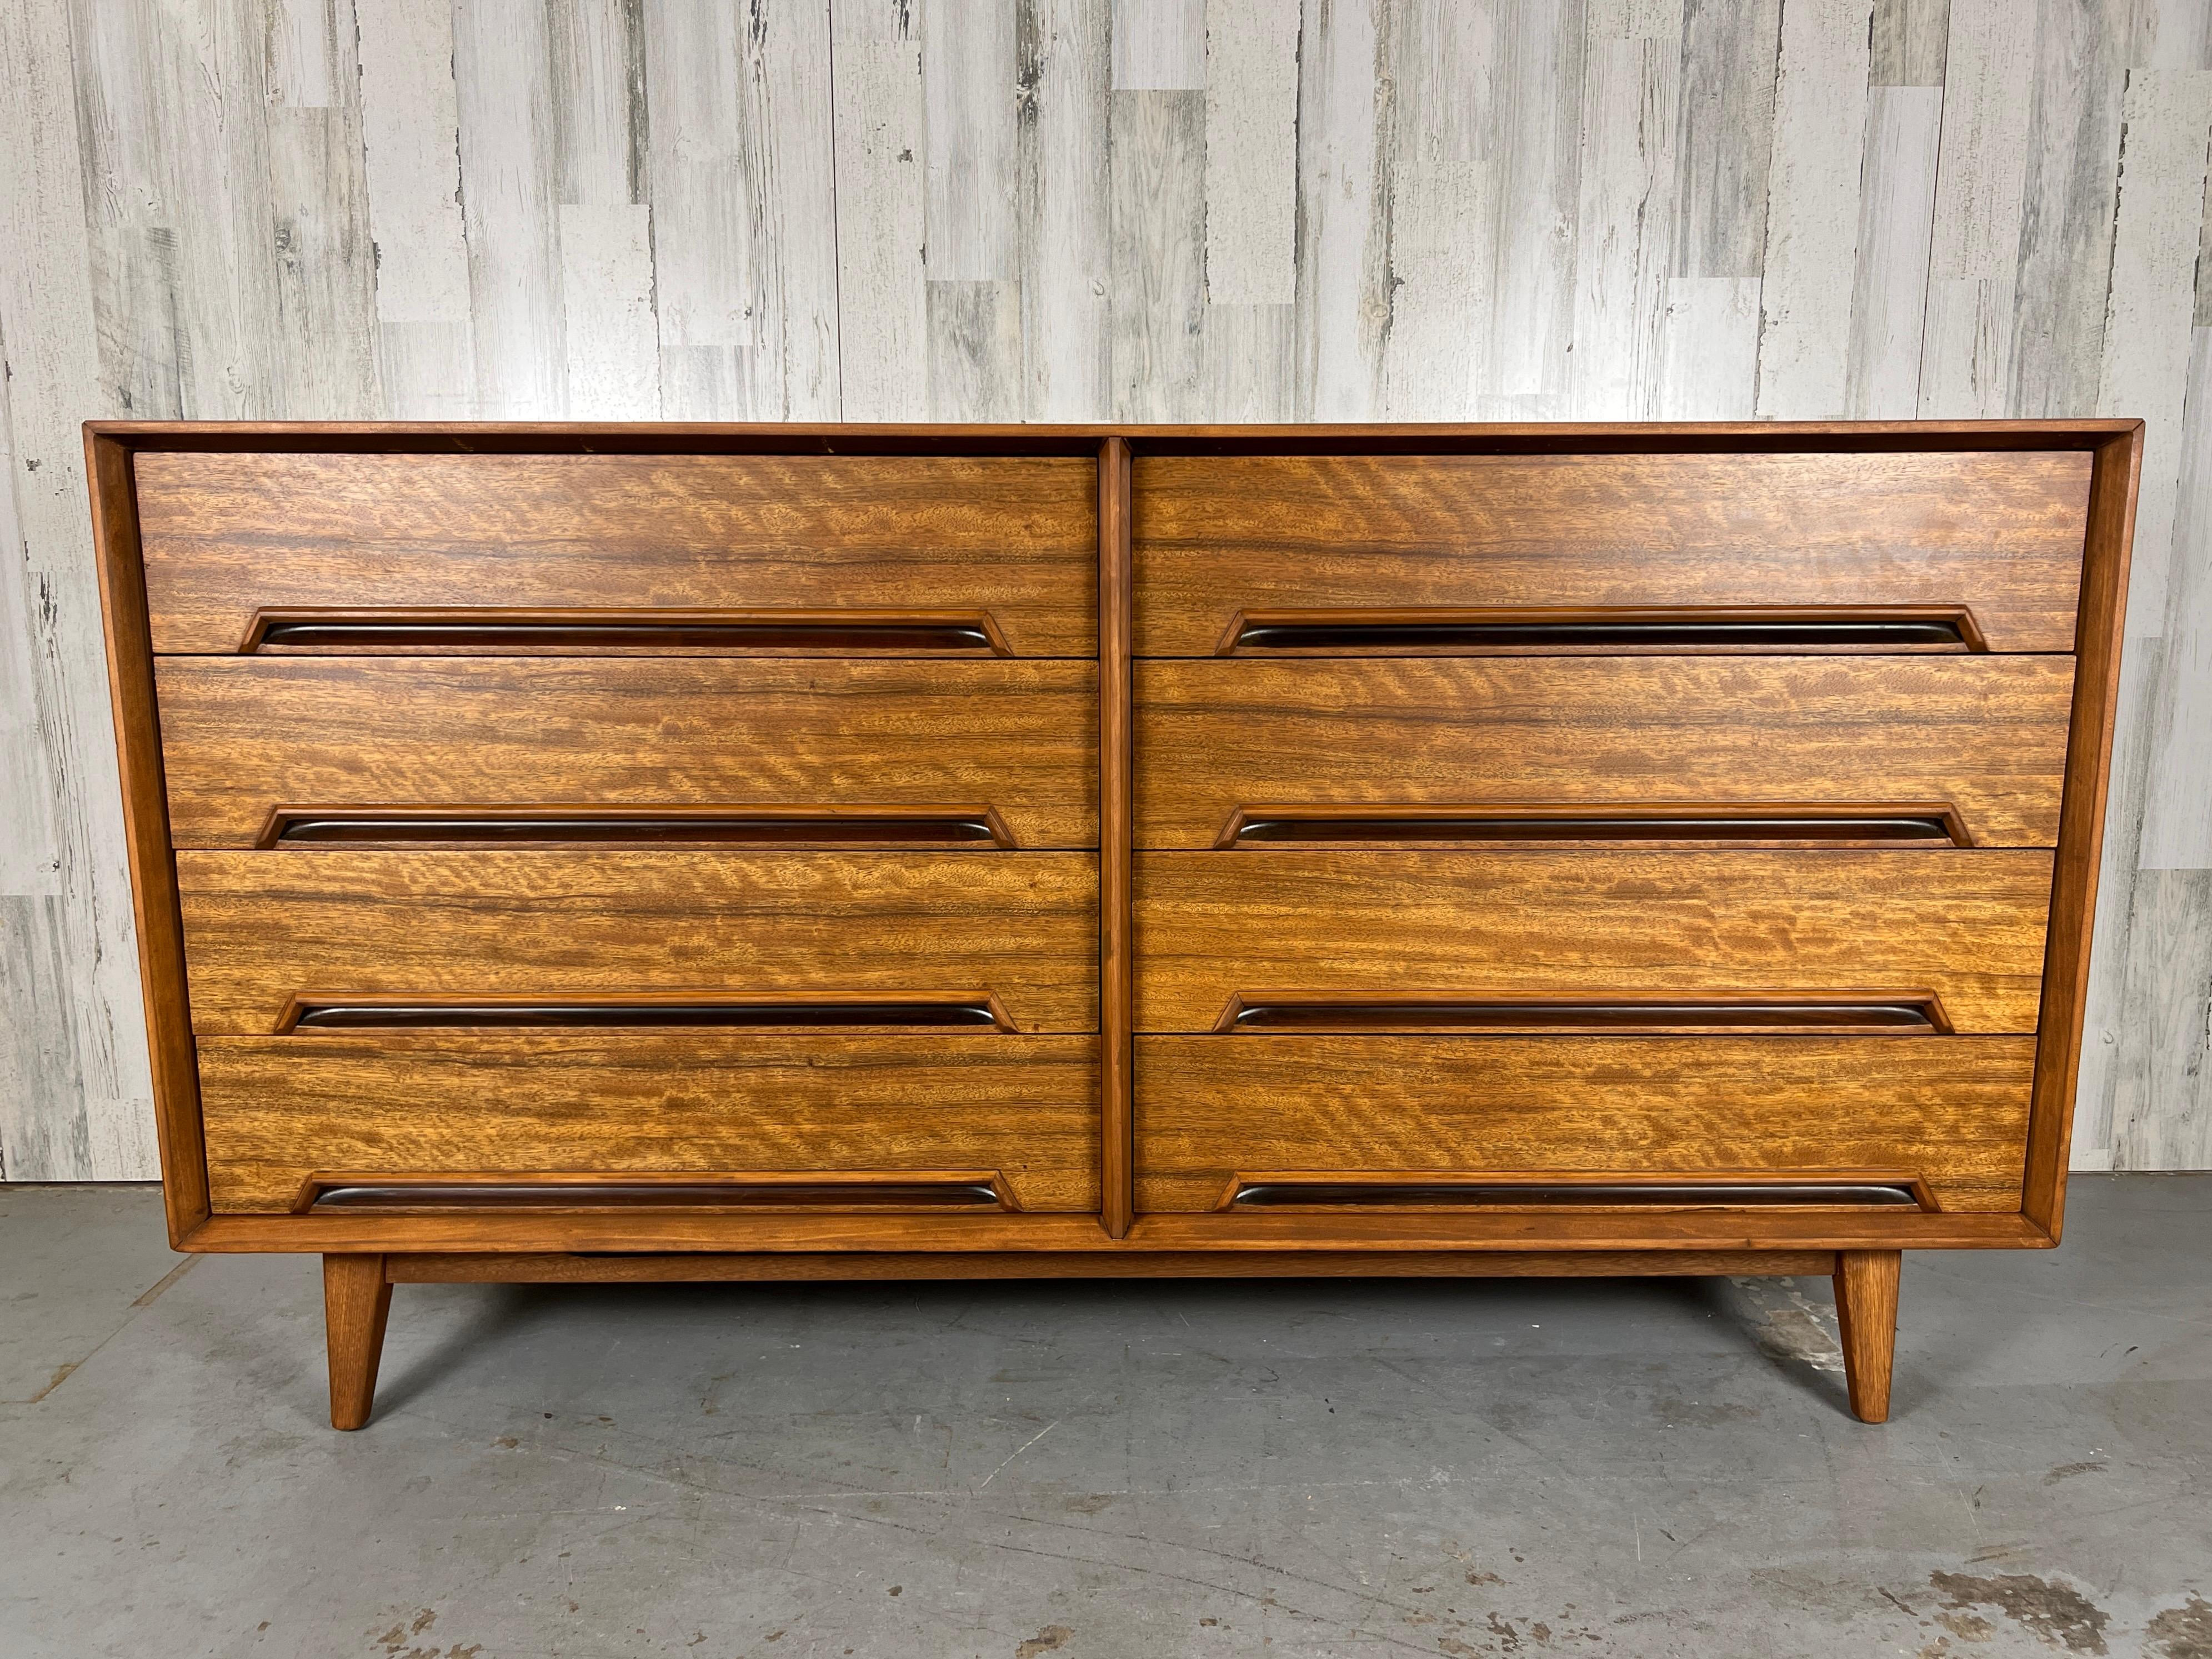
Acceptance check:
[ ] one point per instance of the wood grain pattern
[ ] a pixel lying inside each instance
(1116, 790)
(260, 926)
(1277, 1235)
(1952, 1109)
(226, 535)
(1968, 926)
(1986, 733)
(1129, 1264)
(356, 1302)
(1865, 1317)
(243, 735)
(629, 1103)
(2001, 532)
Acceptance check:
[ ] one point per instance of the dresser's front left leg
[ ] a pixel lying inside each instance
(357, 1298)
(1865, 1317)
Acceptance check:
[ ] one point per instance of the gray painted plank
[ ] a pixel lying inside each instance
(1064, 209)
(1897, 219)
(1727, 104)
(1909, 41)
(1157, 289)
(1813, 209)
(880, 144)
(1339, 317)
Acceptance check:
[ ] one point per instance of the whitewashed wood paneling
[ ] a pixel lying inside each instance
(1080, 210)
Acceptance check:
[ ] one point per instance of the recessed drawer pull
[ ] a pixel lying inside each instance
(813, 1191)
(1671, 1195)
(328, 1011)
(1938, 825)
(1902, 1013)
(305, 826)
(1626, 628)
(489, 632)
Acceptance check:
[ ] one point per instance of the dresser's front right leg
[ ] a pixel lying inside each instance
(357, 1298)
(1865, 1317)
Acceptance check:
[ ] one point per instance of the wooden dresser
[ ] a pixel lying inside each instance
(670, 851)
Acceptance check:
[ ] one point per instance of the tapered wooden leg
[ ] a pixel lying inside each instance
(1865, 1315)
(355, 1299)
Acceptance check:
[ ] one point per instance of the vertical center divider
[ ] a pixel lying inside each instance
(1116, 1103)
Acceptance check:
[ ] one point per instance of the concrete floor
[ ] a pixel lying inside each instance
(1642, 1468)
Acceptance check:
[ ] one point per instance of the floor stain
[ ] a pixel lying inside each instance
(1046, 1640)
(2057, 1613)
(2182, 1632)
(2067, 1471)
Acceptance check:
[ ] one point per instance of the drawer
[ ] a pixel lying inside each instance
(899, 553)
(1389, 938)
(251, 743)
(699, 937)
(1951, 1111)
(1258, 754)
(1239, 552)
(387, 1104)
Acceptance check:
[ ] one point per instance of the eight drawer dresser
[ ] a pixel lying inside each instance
(570, 853)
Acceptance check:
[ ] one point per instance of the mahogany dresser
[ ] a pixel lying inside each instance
(571, 853)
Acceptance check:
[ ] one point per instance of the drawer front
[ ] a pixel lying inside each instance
(1950, 1110)
(1302, 926)
(281, 1109)
(1220, 538)
(228, 536)
(244, 738)
(1239, 746)
(264, 929)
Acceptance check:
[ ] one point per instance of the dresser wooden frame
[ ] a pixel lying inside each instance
(364, 1254)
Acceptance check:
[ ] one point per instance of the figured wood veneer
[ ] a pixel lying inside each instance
(264, 927)
(242, 736)
(1983, 735)
(280, 1108)
(228, 534)
(1953, 1109)
(1999, 532)
(1967, 925)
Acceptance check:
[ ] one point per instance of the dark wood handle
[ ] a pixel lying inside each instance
(507, 632)
(322, 826)
(325, 1012)
(1811, 824)
(416, 1193)
(1613, 628)
(1909, 1013)
(1685, 1194)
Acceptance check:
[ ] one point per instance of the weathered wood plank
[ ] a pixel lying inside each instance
(1159, 45)
(1897, 216)
(1909, 38)
(1966, 352)
(1251, 152)
(882, 316)
(1709, 348)
(1339, 310)
(1063, 209)
(1158, 291)
(1723, 157)
(2177, 815)
(1812, 210)
(1624, 250)
(2155, 237)
(75, 1095)
(2162, 1098)
(410, 124)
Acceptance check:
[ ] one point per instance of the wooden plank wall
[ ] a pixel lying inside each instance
(1077, 210)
